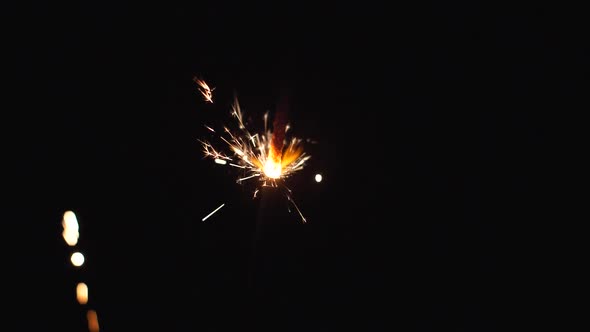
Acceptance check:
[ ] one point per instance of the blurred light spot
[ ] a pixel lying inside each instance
(77, 259)
(220, 161)
(70, 225)
(318, 178)
(92, 319)
(82, 293)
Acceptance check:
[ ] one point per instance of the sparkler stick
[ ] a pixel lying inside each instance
(275, 242)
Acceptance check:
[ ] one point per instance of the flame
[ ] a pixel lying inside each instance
(273, 167)
(276, 162)
(291, 154)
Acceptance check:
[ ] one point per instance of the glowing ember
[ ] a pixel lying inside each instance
(268, 155)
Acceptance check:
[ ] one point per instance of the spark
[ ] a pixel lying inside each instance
(268, 155)
(297, 208)
(212, 212)
(205, 90)
(248, 177)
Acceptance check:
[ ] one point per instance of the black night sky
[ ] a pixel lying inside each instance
(432, 125)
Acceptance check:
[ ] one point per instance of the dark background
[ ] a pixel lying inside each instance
(432, 123)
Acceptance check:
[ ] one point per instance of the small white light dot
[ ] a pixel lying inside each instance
(318, 178)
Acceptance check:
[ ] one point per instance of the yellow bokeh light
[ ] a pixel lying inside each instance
(82, 293)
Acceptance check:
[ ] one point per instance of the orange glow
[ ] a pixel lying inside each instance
(291, 154)
(277, 161)
(92, 319)
(272, 167)
(82, 293)
(70, 226)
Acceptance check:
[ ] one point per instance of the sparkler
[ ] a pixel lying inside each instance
(268, 156)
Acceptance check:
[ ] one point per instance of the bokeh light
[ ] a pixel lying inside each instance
(77, 259)
(82, 293)
(70, 226)
(92, 319)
